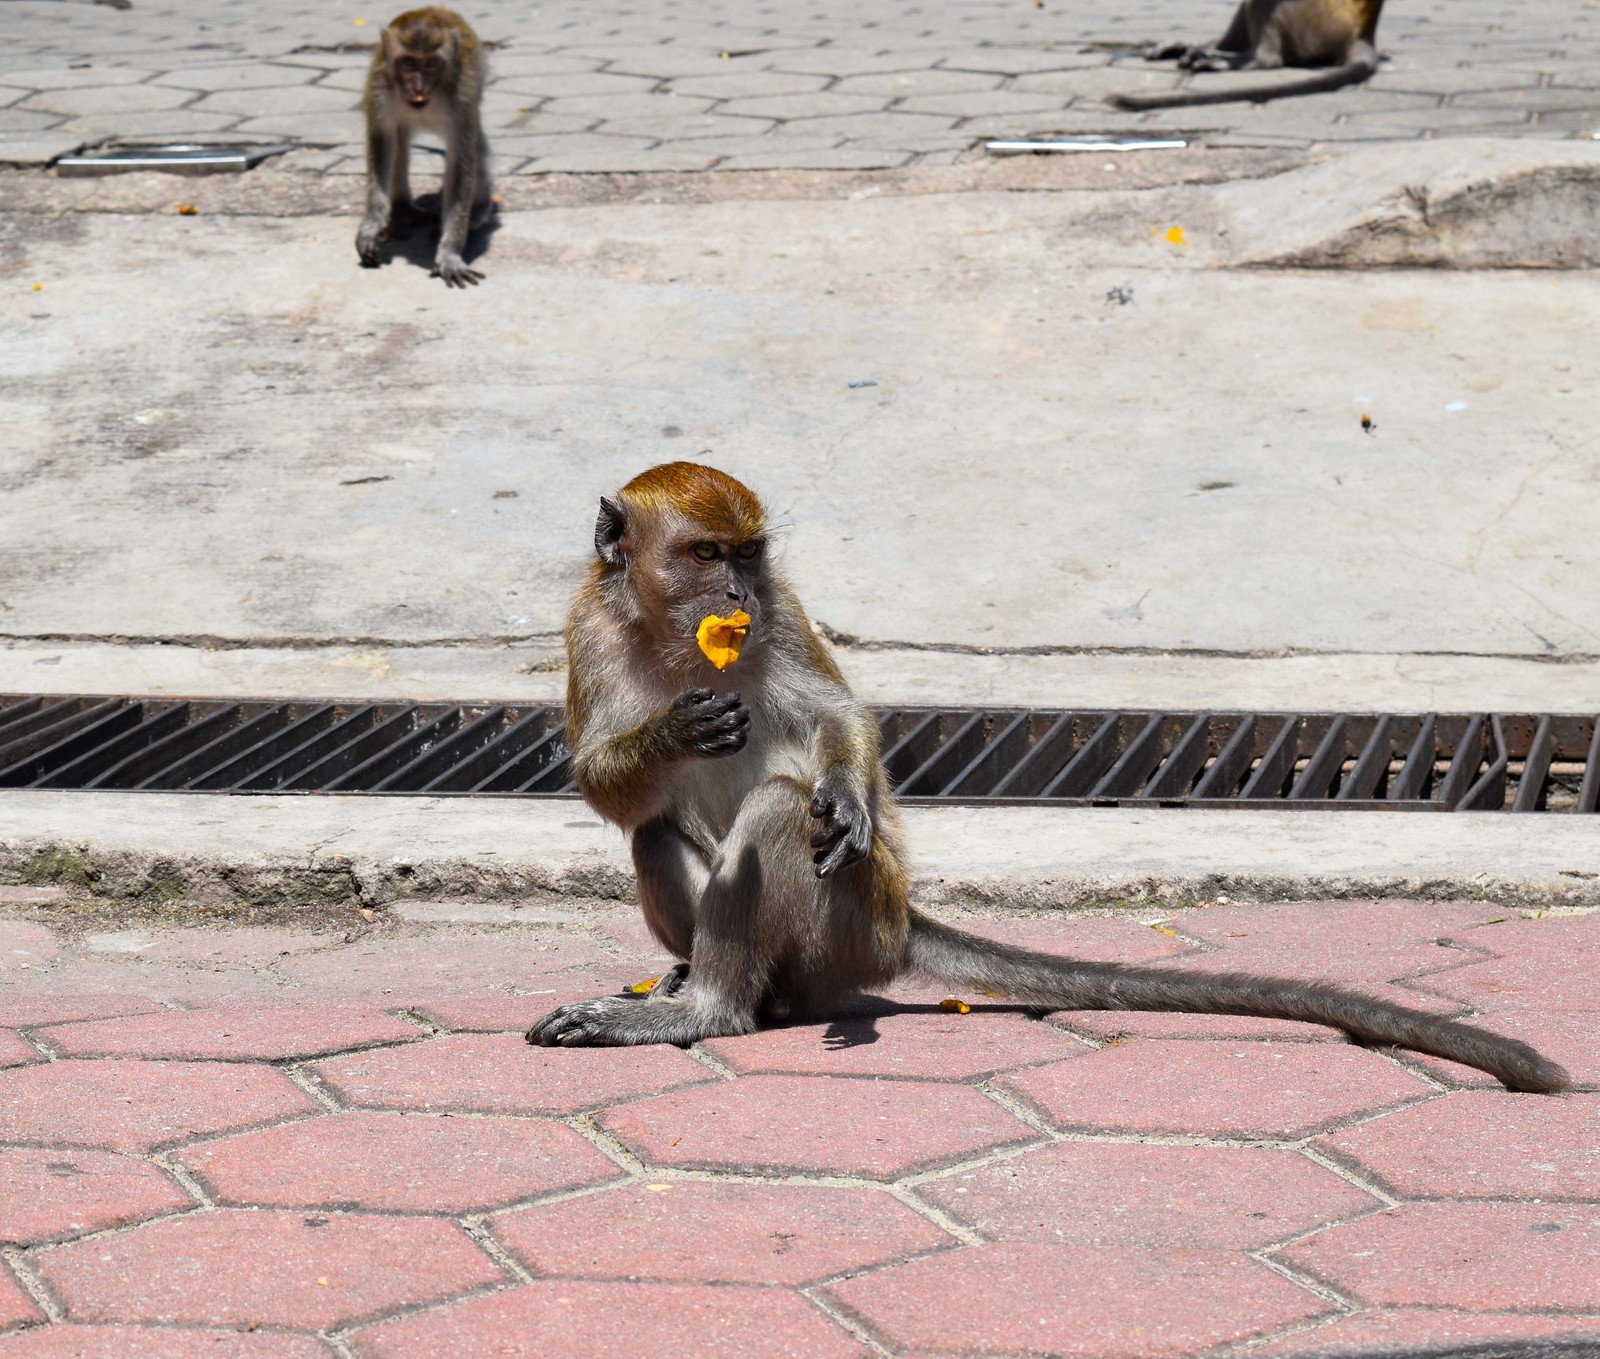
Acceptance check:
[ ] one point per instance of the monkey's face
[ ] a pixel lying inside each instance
(707, 575)
(418, 75)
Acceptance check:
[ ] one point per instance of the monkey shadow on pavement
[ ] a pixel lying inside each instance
(857, 1025)
(414, 234)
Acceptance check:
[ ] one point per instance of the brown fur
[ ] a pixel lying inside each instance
(1266, 34)
(427, 74)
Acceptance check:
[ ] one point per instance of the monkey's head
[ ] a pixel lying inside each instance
(420, 54)
(679, 542)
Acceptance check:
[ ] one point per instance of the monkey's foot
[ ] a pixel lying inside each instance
(618, 1021)
(1212, 59)
(455, 271)
(369, 243)
(1166, 51)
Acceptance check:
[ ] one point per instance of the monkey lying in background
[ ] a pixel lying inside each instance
(768, 848)
(427, 75)
(1266, 34)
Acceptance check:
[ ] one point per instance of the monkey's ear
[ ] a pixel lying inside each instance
(609, 529)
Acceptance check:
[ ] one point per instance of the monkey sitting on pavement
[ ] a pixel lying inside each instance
(427, 76)
(1266, 34)
(768, 847)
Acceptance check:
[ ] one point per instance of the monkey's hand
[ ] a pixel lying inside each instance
(845, 835)
(707, 725)
(369, 241)
(454, 270)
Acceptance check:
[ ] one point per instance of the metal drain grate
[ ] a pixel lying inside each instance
(1396, 762)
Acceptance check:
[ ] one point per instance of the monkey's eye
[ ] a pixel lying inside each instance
(706, 552)
(747, 552)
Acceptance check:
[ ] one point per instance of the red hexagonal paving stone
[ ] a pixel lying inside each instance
(397, 1162)
(20, 1010)
(251, 1032)
(1550, 938)
(1099, 939)
(575, 1319)
(1111, 1025)
(1105, 1301)
(236, 944)
(66, 989)
(14, 1051)
(1132, 1194)
(281, 1269)
(1481, 1144)
(159, 1342)
(16, 1306)
(1385, 1331)
(50, 1195)
(876, 1129)
(1277, 1090)
(1572, 1039)
(695, 1232)
(432, 966)
(1482, 1257)
(1351, 941)
(21, 941)
(139, 1106)
(1566, 982)
(516, 1012)
(502, 1074)
(880, 1038)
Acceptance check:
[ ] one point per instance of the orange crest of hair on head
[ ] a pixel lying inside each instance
(427, 30)
(712, 499)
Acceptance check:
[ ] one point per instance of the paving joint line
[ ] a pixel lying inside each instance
(1350, 1175)
(477, 1226)
(587, 1126)
(845, 1320)
(1343, 1301)
(712, 1062)
(405, 1310)
(33, 1283)
(963, 1234)
(185, 1178)
(1016, 1108)
(311, 1085)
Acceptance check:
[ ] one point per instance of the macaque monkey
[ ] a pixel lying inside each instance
(427, 76)
(1266, 34)
(768, 848)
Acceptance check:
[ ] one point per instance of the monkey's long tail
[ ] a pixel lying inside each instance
(956, 958)
(1336, 77)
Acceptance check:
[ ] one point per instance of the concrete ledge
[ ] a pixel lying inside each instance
(535, 673)
(1460, 204)
(296, 857)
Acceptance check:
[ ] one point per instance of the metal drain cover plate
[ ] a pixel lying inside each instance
(1334, 761)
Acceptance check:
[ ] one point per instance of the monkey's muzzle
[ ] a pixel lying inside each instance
(721, 638)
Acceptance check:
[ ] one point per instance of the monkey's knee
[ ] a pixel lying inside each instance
(773, 821)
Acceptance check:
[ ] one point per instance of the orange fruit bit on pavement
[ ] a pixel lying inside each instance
(954, 1006)
(645, 987)
(721, 638)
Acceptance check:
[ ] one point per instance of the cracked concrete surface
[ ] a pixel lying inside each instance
(363, 459)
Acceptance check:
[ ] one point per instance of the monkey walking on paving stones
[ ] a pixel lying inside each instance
(427, 76)
(1266, 34)
(768, 847)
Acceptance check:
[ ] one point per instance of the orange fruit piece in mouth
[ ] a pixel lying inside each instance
(721, 638)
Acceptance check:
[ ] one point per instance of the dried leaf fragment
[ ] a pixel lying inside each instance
(721, 638)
